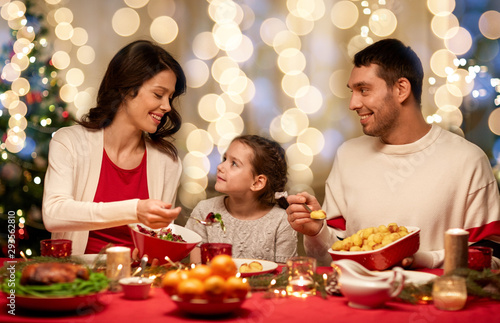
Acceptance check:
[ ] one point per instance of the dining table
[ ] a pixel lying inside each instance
(258, 307)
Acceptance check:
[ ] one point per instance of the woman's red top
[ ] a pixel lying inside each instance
(117, 184)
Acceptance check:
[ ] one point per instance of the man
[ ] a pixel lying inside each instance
(403, 170)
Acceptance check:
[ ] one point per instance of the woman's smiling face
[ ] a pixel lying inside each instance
(146, 110)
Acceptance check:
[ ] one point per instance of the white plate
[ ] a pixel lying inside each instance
(267, 266)
(418, 277)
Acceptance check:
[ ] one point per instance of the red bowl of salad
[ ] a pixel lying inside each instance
(174, 241)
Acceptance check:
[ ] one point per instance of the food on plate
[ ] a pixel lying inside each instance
(164, 234)
(252, 267)
(214, 282)
(318, 215)
(372, 238)
(53, 272)
(54, 278)
(215, 217)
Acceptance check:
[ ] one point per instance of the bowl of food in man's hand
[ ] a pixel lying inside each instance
(174, 242)
(378, 248)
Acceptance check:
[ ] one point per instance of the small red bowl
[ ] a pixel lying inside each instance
(384, 257)
(159, 249)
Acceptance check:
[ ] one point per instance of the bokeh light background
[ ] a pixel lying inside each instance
(274, 68)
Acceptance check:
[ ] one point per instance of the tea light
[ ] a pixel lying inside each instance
(300, 276)
(118, 263)
(455, 249)
(449, 293)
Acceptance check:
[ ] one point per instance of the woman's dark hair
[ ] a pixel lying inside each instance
(395, 60)
(133, 65)
(269, 160)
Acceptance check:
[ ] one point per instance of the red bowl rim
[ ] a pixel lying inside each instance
(174, 227)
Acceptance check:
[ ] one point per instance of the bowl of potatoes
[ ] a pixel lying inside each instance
(378, 248)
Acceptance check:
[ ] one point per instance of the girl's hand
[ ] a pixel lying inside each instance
(156, 214)
(299, 218)
(136, 259)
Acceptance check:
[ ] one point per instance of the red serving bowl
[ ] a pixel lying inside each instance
(384, 257)
(159, 248)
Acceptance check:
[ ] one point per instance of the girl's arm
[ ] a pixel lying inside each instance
(286, 241)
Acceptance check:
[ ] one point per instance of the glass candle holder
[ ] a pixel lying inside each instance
(57, 248)
(301, 272)
(210, 250)
(480, 257)
(449, 293)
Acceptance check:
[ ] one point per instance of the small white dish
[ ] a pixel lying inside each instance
(136, 287)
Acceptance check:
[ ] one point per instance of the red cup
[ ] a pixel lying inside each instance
(480, 257)
(57, 248)
(210, 250)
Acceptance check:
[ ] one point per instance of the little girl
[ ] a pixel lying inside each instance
(252, 170)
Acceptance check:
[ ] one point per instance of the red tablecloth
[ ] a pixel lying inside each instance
(159, 308)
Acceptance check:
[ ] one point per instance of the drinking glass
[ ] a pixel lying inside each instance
(480, 257)
(210, 250)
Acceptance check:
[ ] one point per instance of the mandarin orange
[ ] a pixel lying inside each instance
(224, 266)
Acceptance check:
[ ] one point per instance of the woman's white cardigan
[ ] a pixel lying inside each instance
(75, 157)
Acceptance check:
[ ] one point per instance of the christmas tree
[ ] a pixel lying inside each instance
(30, 111)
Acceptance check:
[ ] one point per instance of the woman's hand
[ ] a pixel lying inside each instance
(156, 214)
(299, 218)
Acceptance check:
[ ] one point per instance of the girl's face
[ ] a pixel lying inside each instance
(235, 172)
(145, 111)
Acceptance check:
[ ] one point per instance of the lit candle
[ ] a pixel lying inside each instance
(117, 265)
(300, 276)
(449, 293)
(455, 249)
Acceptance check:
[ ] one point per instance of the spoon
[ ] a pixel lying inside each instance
(310, 211)
(144, 261)
(307, 207)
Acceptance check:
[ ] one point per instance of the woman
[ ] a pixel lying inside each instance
(117, 166)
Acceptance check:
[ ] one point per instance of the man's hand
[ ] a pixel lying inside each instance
(299, 218)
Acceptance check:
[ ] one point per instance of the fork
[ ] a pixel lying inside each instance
(206, 223)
